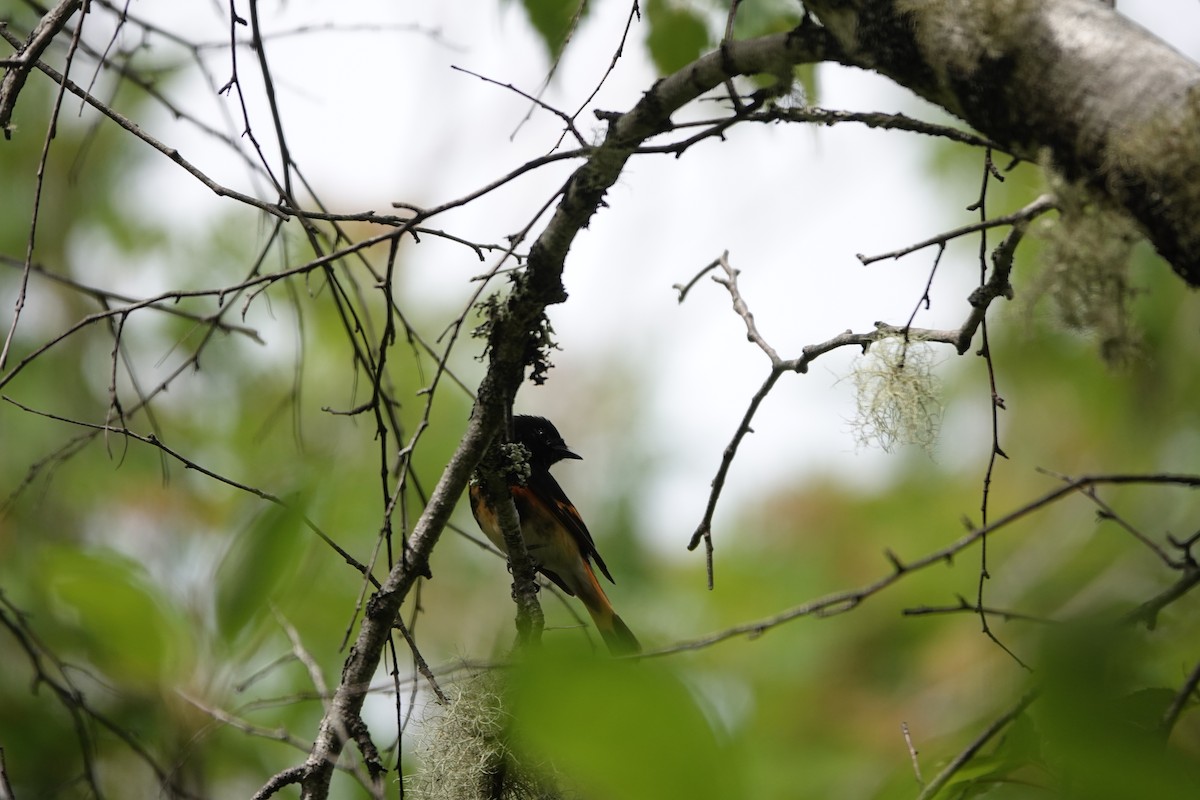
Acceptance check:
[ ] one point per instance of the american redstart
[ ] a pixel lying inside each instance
(557, 540)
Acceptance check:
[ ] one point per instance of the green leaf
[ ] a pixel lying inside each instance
(115, 615)
(1144, 709)
(555, 21)
(677, 35)
(622, 729)
(253, 568)
(762, 17)
(808, 76)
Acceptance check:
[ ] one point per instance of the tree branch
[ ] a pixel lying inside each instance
(991, 71)
(980, 299)
(1182, 698)
(492, 475)
(986, 735)
(20, 65)
(509, 348)
(840, 602)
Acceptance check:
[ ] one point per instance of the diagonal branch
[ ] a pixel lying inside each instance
(153, 440)
(847, 600)
(986, 735)
(1018, 219)
(509, 350)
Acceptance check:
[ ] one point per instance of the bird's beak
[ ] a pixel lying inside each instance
(563, 452)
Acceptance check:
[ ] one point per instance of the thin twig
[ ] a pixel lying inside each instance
(421, 665)
(135, 130)
(568, 121)
(964, 607)
(6, 790)
(53, 673)
(1147, 613)
(912, 754)
(997, 402)
(742, 310)
(634, 13)
(154, 441)
(872, 119)
(554, 64)
(985, 736)
(1180, 702)
(1109, 513)
(14, 78)
(225, 718)
(847, 600)
(683, 289)
(980, 300)
(1038, 207)
(926, 299)
(166, 306)
(301, 653)
(730, 18)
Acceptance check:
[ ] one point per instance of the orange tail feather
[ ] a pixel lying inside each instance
(616, 634)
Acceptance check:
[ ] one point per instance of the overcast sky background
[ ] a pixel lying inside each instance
(374, 117)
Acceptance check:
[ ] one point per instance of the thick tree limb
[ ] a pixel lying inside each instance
(1108, 102)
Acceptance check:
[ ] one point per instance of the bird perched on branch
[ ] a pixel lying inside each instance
(557, 540)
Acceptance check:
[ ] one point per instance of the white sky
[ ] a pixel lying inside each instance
(377, 117)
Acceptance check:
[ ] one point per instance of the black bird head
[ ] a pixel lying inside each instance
(542, 439)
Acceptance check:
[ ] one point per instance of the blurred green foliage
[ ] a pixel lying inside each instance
(152, 591)
(555, 21)
(676, 35)
(627, 729)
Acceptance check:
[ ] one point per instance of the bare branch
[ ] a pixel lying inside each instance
(872, 119)
(167, 305)
(288, 777)
(980, 299)
(20, 65)
(634, 13)
(912, 754)
(1147, 613)
(6, 790)
(684, 288)
(538, 286)
(840, 602)
(53, 673)
(135, 130)
(492, 475)
(1023, 216)
(1182, 698)
(225, 718)
(40, 38)
(1107, 512)
(568, 121)
(964, 607)
(743, 311)
(153, 440)
(985, 736)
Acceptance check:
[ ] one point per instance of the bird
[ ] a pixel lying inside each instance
(555, 535)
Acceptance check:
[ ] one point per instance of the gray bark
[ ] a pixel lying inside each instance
(1072, 80)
